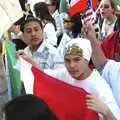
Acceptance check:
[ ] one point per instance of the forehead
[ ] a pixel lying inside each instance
(72, 56)
(32, 24)
(106, 2)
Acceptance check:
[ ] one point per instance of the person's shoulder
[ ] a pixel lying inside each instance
(112, 66)
(97, 79)
(95, 74)
(49, 24)
(112, 62)
(56, 13)
(51, 48)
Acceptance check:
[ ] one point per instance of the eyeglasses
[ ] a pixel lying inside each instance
(105, 6)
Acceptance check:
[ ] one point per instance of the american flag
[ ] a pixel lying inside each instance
(89, 15)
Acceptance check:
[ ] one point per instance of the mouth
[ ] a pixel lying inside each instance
(102, 13)
(35, 39)
(72, 72)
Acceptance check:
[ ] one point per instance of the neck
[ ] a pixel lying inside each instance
(111, 18)
(34, 48)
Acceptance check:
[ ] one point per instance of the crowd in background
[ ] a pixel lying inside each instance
(82, 50)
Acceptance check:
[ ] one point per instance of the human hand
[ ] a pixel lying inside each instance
(95, 104)
(89, 31)
(21, 53)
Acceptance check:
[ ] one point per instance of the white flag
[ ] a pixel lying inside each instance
(10, 12)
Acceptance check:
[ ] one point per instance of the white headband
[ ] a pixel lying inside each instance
(79, 46)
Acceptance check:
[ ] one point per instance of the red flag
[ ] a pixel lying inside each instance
(66, 102)
(77, 6)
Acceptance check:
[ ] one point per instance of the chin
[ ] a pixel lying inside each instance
(76, 77)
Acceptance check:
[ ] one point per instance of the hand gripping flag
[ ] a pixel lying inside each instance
(66, 102)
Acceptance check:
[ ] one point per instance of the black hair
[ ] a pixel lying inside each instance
(76, 28)
(42, 12)
(55, 2)
(30, 19)
(117, 24)
(22, 4)
(28, 107)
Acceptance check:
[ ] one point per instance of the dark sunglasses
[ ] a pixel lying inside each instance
(106, 6)
(67, 21)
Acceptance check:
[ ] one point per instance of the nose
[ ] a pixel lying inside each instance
(33, 32)
(72, 65)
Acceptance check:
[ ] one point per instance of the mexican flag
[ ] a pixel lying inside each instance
(67, 102)
(14, 74)
(117, 2)
(63, 6)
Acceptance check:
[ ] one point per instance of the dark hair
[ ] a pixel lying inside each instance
(76, 28)
(30, 19)
(28, 107)
(42, 12)
(22, 4)
(117, 24)
(55, 2)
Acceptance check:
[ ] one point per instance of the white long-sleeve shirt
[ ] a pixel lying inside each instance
(50, 34)
(58, 23)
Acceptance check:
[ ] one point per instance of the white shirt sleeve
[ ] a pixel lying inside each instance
(50, 34)
(111, 73)
(58, 23)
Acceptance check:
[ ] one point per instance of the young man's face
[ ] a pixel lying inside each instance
(68, 24)
(76, 66)
(106, 9)
(33, 33)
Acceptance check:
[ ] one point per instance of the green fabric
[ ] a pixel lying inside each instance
(117, 2)
(14, 74)
(63, 6)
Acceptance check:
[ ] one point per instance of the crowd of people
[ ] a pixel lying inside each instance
(69, 49)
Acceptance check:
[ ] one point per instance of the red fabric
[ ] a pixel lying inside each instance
(66, 102)
(80, 6)
(111, 45)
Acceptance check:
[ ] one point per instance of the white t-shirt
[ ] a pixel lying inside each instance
(94, 84)
(111, 73)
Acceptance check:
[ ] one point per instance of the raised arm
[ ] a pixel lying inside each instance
(98, 56)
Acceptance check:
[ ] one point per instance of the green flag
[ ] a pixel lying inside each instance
(63, 6)
(117, 2)
(14, 74)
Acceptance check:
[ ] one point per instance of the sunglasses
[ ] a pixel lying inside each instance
(67, 21)
(106, 6)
